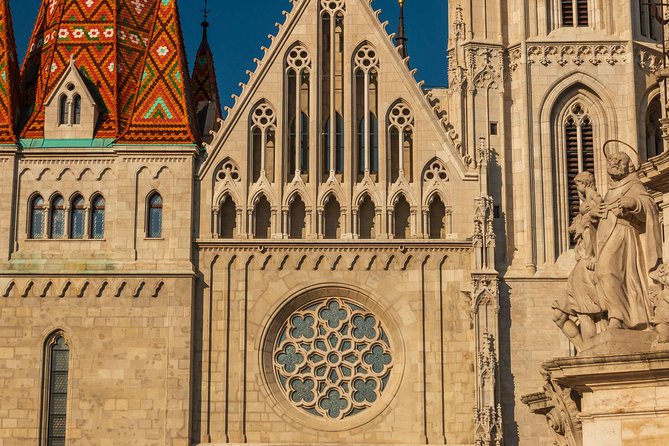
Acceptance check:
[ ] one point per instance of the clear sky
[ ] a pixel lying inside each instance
(239, 28)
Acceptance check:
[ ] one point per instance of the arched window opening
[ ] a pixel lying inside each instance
(37, 218)
(57, 224)
(98, 218)
(77, 217)
(56, 371)
(367, 216)
(654, 140)
(298, 68)
(574, 12)
(76, 110)
(401, 122)
(402, 213)
(262, 215)
(263, 130)
(64, 111)
(332, 87)
(154, 222)
(228, 217)
(331, 219)
(297, 215)
(650, 19)
(437, 218)
(366, 62)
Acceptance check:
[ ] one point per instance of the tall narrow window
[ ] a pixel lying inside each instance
(76, 110)
(332, 87)
(98, 218)
(77, 217)
(402, 213)
(262, 215)
(437, 217)
(654, 141)
(263, 129)
(331, 218)
(57, 224)
(56, 371)
(64, 111)
(574, 12)
(298, 72)
(367, 218)
(400, 123)
(580, 154)
(155, 216)
(37, 218)
(366, 62)
(228, 216)
(650, 17)
(297, 218)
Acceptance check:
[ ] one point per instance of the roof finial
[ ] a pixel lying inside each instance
(205, 16)
(401, 34)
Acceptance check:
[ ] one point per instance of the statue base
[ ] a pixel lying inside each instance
(612, 400)
(619, 342)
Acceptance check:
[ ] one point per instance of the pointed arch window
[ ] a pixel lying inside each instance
(401, 123)
(366, 63)
(650, 15)
(331, 218)
(298, 76)
(55, 390)
(262, 218)
(580, 153)
(263, 131)
(437, 218)
(57, 223)
(402, 213)
(297, 218)
(332, 86)
(37, 210)
(154, 221)
(98, 218)
(77, 217)
(367, 218)
(76, 110)
(574, 12)
(654, 140)
(228, 217)
(64, 111)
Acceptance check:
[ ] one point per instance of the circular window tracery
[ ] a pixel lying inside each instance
(332, 358)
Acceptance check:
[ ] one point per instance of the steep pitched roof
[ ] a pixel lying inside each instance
(115, 44)
(163, 108)
(205, 87)
(9, 77)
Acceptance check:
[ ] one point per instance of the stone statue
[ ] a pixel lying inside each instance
(660, 301)
(624, 261)
(580, 299)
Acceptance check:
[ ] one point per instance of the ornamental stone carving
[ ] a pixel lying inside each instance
(332, 358)
(563, 55)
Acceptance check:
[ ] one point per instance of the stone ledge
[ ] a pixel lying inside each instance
(618, 342)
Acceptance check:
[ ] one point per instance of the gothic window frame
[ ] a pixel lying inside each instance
(226, 200)
(649, 27)
(400, 122)
(33, 217)
(154, 215)
(298, 73)
(263, 119)
(77, 212)
(49, 375)
(57, 217)
(366, 69)
(98, 217)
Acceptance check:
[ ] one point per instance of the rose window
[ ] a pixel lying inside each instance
(332, 358)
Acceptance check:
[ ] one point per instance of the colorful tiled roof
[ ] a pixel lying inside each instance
(9, 77)
(205, 87)
(115, 44)
(164, 103)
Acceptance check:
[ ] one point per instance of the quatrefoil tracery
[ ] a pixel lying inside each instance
(332, 358)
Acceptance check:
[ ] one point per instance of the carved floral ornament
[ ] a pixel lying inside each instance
(562, 55)
(299, 59)
(333, 6)
(263, 117)
(366, 58)
(332, 358)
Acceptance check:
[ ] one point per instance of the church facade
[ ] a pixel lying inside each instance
(344, 256)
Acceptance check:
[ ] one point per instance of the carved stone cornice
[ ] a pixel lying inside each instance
(577, 54)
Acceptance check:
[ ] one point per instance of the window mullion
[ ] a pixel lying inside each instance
(579, 144)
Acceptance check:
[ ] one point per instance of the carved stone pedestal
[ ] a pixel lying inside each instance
(619, 342)
(614, 400)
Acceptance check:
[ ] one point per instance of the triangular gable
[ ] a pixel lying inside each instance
(280, 43)
(163, 109)
(9, 77)
(72, 75)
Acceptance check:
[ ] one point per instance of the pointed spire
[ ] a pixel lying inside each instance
(163, 108)
(9, 77)
(205, 86)
(401, 33)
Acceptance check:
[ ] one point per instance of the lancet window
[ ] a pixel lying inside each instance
(228, 217)
(262, 217)
(297, 218)
(36, 226)
(579, 150)
(298, 76)
(331, 219)
(401, 124)
(332, 87)
(154, 221)
(654, 141)
(57, 218)
(402, 214)
(366, 63)
(263, 133)
(437, 218)
(55, 391)
(98, 218)
(649, 16)
(367, 218)
(69, 107)
(77, 217)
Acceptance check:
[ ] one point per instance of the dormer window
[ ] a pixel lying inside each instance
(71, 111)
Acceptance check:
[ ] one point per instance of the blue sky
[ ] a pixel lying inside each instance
(239, 29)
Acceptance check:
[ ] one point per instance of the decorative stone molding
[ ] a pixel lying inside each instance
(648, 60)
(563, 55)
(80, 287)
